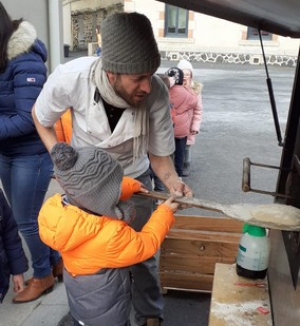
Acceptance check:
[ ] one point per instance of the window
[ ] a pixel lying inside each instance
(176, 22)
(252, 34)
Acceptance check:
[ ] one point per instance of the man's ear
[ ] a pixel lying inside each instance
(111, 77)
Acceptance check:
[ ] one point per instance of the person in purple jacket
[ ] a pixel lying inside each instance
(25, 165)
(12, 257)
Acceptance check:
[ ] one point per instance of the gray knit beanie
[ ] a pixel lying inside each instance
(128, 44)
(91, 180)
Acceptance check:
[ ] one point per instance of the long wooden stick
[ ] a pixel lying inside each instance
(273, 216)
(190, 201)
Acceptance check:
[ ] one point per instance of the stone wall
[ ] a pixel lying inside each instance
(88, 17)
(275, 60)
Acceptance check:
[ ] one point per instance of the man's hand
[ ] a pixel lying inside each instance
(177, 187)
(165, 170)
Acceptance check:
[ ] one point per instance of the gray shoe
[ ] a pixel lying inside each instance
(186, 170)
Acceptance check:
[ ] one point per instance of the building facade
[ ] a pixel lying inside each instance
(181, 33)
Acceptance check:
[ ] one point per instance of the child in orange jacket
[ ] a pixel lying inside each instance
(89, 225)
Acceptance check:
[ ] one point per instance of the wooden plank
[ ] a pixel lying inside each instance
(198, 282)
(192, 264)
(200, 248)
(235, 300)
(203, 235)
(205, 223)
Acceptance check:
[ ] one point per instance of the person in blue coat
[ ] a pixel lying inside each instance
(25, 165)
(12, 257)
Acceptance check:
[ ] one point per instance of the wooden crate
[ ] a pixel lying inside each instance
(192, 248)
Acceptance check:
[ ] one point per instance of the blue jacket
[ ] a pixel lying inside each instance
(20, 85)
(12, 257)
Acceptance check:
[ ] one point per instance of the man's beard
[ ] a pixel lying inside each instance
(120, 91)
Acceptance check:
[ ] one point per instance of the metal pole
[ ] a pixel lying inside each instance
(55, 33)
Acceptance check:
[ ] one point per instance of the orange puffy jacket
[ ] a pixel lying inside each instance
(63, 127)
(90, 242)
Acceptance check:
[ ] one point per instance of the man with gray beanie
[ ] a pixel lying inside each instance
(119, 105)
(89, 227)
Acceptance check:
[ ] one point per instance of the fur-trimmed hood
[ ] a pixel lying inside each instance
(20, 84)
(23, 40)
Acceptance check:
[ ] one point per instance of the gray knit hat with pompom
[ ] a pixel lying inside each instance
(91, 180)
(128, 44)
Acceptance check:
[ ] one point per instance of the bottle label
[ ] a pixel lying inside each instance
(255, 260)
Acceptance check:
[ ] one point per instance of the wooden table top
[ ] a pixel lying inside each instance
(238, 301)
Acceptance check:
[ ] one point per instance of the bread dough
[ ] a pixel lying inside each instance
(276, 213)
(276, 216)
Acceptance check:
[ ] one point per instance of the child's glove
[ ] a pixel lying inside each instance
(129, 187)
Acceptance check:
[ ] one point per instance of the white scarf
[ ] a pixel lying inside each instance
(141, 122)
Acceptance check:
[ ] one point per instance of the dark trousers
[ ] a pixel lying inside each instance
(179, 155)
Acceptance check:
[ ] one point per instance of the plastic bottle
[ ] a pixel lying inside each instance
(253, 253)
